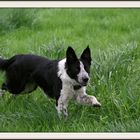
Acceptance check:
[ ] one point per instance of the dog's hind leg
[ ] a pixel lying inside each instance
(14, 87)
(3, 89)
(4, 86)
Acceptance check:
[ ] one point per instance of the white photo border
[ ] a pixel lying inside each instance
(69, 4)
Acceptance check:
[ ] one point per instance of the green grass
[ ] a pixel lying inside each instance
(114, 38)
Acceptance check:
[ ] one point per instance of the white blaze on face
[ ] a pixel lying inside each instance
(62, 74)
(82, 74)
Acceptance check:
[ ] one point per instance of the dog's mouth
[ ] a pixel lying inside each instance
(82, 84)
(79, 85)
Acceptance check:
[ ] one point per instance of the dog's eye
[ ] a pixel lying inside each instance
(77, 69)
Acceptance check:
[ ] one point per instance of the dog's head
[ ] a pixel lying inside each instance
(78, 69)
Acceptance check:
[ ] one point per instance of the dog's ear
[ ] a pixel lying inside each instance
(86, 55)
(70, 55)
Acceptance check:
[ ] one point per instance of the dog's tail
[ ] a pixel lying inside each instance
(5, 63)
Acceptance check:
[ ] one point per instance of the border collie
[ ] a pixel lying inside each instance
(59, 79)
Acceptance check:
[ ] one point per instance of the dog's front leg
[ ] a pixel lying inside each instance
(62, 104)
(83, 98)
(61, 107)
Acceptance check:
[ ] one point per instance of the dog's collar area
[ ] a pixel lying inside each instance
(76, 87)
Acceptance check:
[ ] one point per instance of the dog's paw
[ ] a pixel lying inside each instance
(97, 105)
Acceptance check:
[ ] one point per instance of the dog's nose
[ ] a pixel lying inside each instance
(85, 79)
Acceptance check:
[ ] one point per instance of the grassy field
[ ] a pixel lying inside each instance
(114, 38)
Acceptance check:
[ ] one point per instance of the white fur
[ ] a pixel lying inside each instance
(68, 92)
(63, 74)
(82, 74)
(83, 98)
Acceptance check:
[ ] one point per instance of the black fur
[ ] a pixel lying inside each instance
(86, 59)
(72, 64)
(24, 70)
(24, 73)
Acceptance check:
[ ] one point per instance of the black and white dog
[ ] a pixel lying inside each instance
(59, 79)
